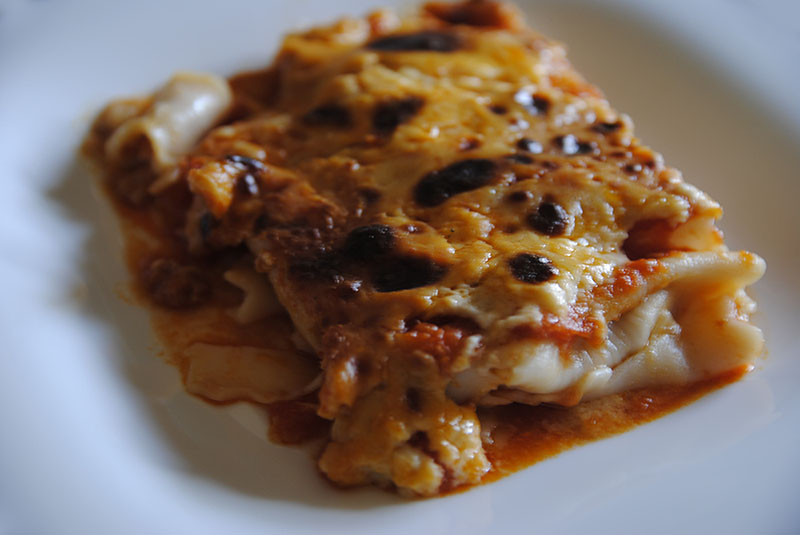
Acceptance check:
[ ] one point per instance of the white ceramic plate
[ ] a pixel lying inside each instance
(97, 435)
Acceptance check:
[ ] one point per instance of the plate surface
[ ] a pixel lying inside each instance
(97, 435)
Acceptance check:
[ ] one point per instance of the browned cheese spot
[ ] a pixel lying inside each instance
(570, 145)
(549, 219)
(370, 241)
(532, 268)
(398, 273)
(606, 128)
(333, 115)
(519, 196)
(530, 145)
(533, 103)
(389, 115)
(438, 186)
(523, 159)
(425, 41)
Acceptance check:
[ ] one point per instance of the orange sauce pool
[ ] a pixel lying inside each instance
(523, 435)
(519, 435)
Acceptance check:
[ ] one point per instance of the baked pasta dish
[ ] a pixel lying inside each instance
(406, 232)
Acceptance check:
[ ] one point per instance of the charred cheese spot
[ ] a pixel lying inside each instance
(547, 164)
(468, 144)
(529, 145)
(325, 267)
(520, 158)
(438, 186)
(570, 145)
(425, 41)
(533, 103)
(549, 219)
(389, 115)
(607, 128)
(633, 168)
(332, 115)
(519, 196)
(420, 441)
(370, 196)
(369, 241)
(368, 252)
(413, 399)
(532, 268)
(405, 273)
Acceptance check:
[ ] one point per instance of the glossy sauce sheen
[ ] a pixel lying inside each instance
(523, 435)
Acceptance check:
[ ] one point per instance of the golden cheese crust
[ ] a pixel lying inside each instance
(452, 216)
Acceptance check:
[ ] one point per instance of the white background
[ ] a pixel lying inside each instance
(96, 435)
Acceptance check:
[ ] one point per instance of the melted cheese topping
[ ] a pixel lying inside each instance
(452, 217)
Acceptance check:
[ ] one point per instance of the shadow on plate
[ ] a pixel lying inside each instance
(712, 129)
